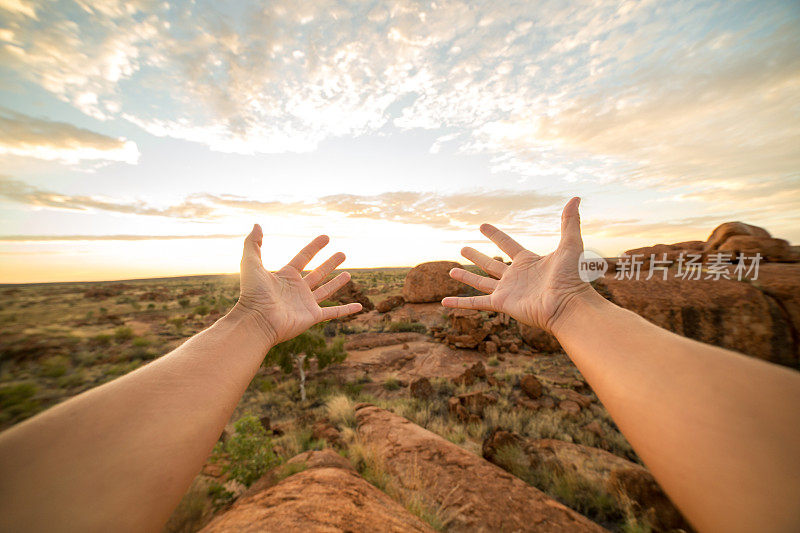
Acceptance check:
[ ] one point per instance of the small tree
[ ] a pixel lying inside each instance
(249, 450)
(296, 352)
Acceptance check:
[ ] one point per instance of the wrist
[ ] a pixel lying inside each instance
(573, 308)
(252, 324)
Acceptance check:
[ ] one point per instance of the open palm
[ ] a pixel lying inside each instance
(284, 302)
(533, 289)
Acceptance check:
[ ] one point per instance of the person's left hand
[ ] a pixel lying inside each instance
(284, 303)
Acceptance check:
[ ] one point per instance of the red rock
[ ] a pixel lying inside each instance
(594, 427)
(727, 313)
(430, 282)
(569, 406)
(351, 293)
(490, 347)
(538, 339)
(476, 402)
(531, 386)
(769, 248)
(729, 229)
(606, 470)
(569, 394)
(324, 430)
(639, 486)
(467, 328)
(386, 305)
(781, 284)
(497, 440)
(471, 375)
(327, 497)
(457, 410)
(475, 494)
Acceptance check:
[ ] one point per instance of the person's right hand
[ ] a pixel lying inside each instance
(535, 290)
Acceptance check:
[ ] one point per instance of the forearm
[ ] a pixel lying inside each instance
(121, 456)
(719, 430)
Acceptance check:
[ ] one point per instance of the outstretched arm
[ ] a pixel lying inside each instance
(719, 431)
(119, 457)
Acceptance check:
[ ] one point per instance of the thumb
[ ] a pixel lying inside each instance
(252, 244)
(571, 226)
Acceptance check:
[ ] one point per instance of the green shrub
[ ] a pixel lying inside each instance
(201, 310)
(55, 366)
(123, 333)
(220, 496)
(405, 325)
(184, 302)
(103, 339)
(18, 402)
(391, 384)
(249, 451)
(493, 361)
(141, 342)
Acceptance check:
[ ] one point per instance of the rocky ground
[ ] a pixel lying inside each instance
(435, 420)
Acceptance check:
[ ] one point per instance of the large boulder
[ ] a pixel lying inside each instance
(430, 282)
(732, 314)
(746, 245)
(328, 496)
(729, 229)
(474, 494)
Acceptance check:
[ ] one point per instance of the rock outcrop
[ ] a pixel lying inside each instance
(474, 494)
(727, 313)
(328, 496)
(430, 282)
(599, 468)
(351, 293)
(770, 249)
(730, 229)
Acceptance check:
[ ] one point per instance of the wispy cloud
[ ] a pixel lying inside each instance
(23, 135)
(17, 191)
(448, 211)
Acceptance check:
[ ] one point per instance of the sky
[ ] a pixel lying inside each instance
(143, 138)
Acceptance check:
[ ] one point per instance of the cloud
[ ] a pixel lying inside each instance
(659, 95)
(437, 210)
(17, 191)
(54, 238)
(18, 7)
(27, 136)
(514, 209)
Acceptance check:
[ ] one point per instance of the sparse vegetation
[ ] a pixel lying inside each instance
(56, 345)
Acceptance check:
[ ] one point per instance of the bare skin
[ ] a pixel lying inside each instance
(120, 457)
(719, 431)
